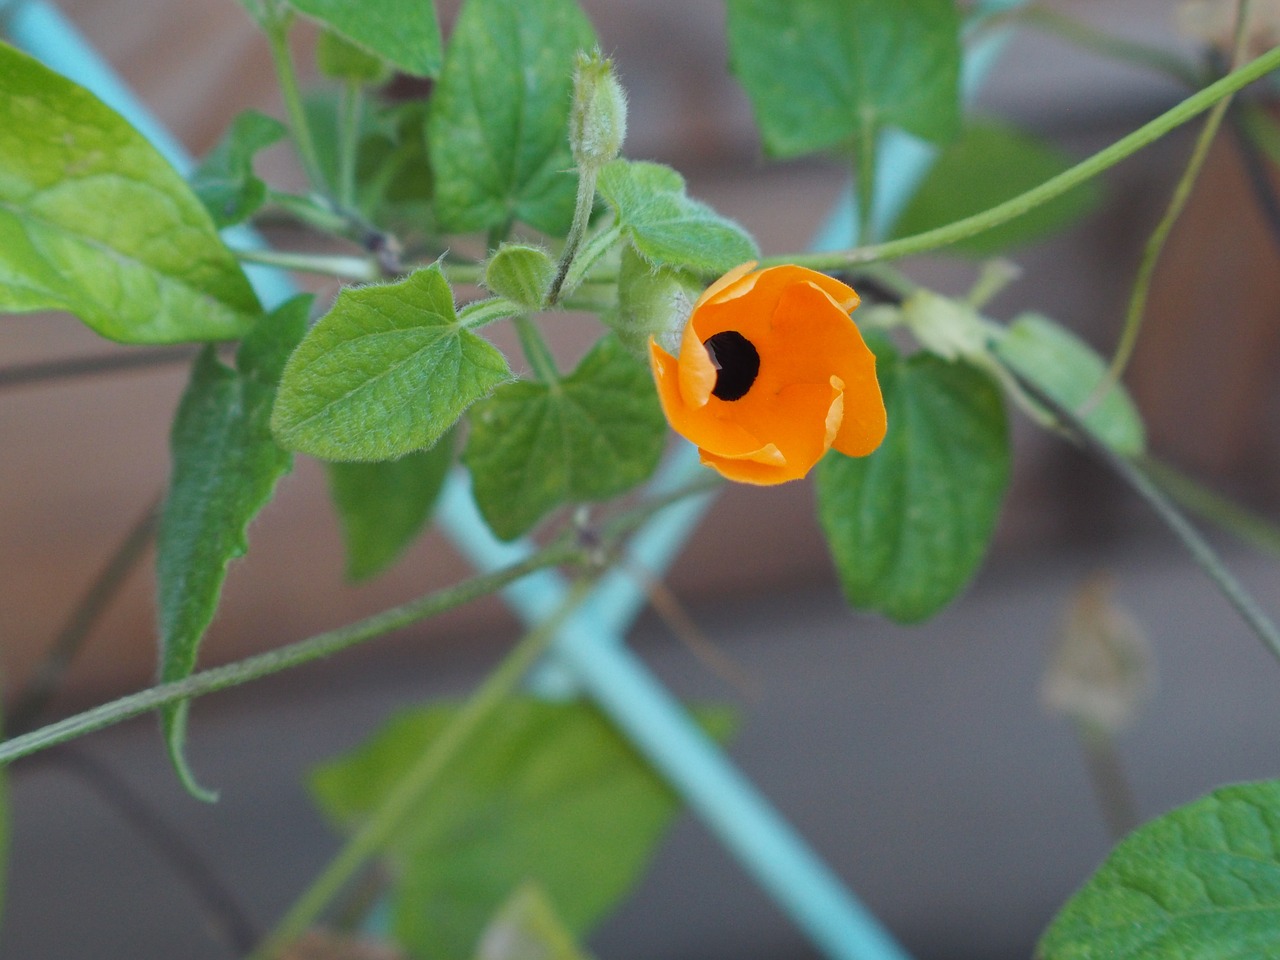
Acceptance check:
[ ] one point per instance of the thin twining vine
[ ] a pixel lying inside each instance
(572, 551)
(1146, 487)
(1137, 308)
(1103, 160)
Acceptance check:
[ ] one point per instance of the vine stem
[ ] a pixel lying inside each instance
(381, 824)
(1104, 159)
(295, 654)
(332, 265)
(581, 216)
(536, 350)
(351, 106)
(1182, 528)
(1137, 309)
(277, 30)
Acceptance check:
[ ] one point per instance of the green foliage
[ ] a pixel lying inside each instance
(95, 222)
(667, 227)
(385, 372)
(225, 181)
(526, 927)
(909, 524)
(546, 792)
(340, 59)
(989, 164)
(1068, 370)
(1200, 883)
(405, 33)
(521, 274)
(498, 128)
(225, 467)
(383, 506)
(823, 73)
(590, 436)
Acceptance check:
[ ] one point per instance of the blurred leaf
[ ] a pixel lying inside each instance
(403, 32)
(225, 468)
(1068, 370)
(384, 506)
(824, 73)
(594, 434)
(667, 227)
(909, 524)
(526, 927)
(546, 792)
(1200, 883)
(95, 222)
(340, 59)
(498, 128)
(989, 164)
(1100, 672)
(225, 181)
(385, 372)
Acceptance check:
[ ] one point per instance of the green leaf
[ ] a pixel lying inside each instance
(385, 372)
(225, 181)
(95, 222)
(909, 524)
(1200, 883)
(546, 792)
(1067, 369)
(225, 467)
(667, 227)
(403, 32)
(527, 927)
(498, 129)
(990, 164)
(340, 59)
(592, 435)
(823, 73)
(384, 506)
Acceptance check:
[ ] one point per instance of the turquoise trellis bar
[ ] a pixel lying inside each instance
(590, 650)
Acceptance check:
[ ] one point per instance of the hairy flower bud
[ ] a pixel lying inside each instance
(598, 118)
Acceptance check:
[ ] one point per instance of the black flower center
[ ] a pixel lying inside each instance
(736, 361)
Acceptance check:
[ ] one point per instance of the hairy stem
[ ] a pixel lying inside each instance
(378, 828)
(277, 30)
(581, 216)
(1203, 554)
(304, 651)
(536, 350)
(1155, 243)
(1104, 159)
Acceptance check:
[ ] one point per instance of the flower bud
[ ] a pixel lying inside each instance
(652, 302)
(598, 118)
(520, 273)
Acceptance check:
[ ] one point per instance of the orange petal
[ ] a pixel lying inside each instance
(734, 275)
(701, 425)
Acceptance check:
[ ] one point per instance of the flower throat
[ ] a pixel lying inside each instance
(736, 361)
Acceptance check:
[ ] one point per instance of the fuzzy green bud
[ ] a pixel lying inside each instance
(652, 302)
(598, 118)
(520, 273)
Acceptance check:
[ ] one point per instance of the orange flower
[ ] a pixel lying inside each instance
(772, 374)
